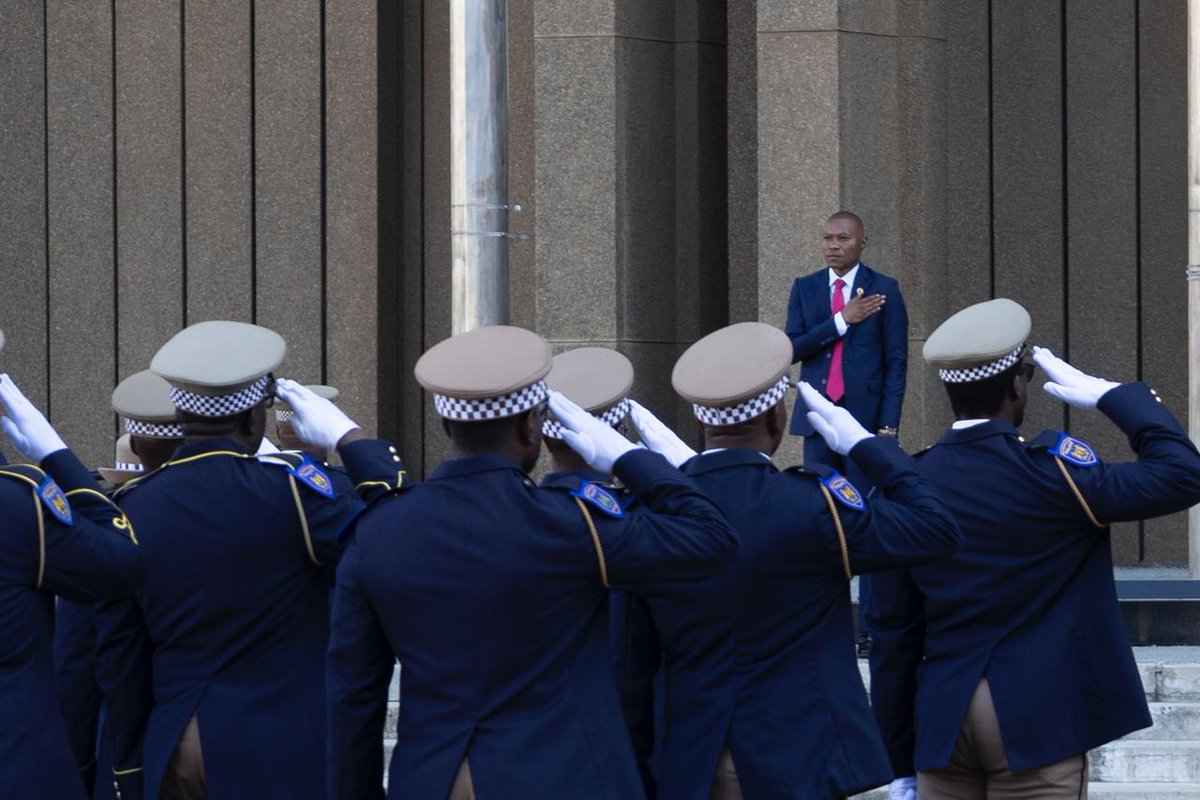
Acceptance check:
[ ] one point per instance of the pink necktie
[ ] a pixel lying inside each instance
(836, 387)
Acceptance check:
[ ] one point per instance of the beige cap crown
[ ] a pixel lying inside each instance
(219, 356)
(144, 397)
(485, 362)
(978, 335)
(595, 378)
(732, 364)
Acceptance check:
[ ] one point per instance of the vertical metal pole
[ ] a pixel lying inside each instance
(1193, 270)
(479, 162)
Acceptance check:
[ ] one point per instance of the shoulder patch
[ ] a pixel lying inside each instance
(310, 474)
(599, 497)
(1078, 452)
(844, 491)
(52, 498)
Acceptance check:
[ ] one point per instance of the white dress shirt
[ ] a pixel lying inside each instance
(848, 279)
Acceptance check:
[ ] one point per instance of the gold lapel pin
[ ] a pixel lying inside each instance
(858, 292)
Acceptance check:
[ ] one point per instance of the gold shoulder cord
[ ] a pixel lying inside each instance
(312, 554)
(841, 532)
(37, 511)
(1078, 494)
(587, 516)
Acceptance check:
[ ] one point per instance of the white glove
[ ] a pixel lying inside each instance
(315, 420)
(1069, 384)
(837, 426)
(27, 429)
(658, 437)
(903, 789)
(598, 444)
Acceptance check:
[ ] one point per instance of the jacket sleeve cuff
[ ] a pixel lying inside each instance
(1134, 405)
(880, 457)
(641, 470)
(373, 463)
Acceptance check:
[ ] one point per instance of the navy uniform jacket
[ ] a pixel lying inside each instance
(1028, 600)
(91, 559)
(488, 589)
(760, 658)
(231, 624)
(79, 693)
(874, 351)
(635, 656)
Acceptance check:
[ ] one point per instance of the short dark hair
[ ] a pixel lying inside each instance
(197, 424)
(982, 399)
(484, 436)
(850, 215)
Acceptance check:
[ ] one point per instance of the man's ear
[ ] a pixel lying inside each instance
(777, 419)
(446, 428)
(530, 427)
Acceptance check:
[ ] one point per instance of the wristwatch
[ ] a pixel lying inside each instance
(889, 430)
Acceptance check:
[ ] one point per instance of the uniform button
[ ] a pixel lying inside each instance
(395, 458)
(391, 449)
(1020, 438)
(829, 355)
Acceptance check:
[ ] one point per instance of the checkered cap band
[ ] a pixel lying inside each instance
(981, 372)
(612, 417)
(283, 414)
(222, 405)
(483, 408)
(129, 466)
(155, 429)
(749, 409)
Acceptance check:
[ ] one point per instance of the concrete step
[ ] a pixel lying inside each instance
(1162, 680)
(1172, 722)
(1107, 791)
(1139, 761)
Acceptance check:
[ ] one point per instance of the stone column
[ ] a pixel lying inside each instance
(1193, 270)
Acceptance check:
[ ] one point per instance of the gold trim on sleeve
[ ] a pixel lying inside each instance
(587, 516)
(312, 555)
(1078, 494)
(841, 532)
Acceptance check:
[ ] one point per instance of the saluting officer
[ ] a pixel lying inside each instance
(996, 669)
(598, 380)
(763, 695)
(61, 536)
(492, 593)
(151, 435)
(230, 629)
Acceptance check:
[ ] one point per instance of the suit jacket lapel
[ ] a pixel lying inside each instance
(819, 286)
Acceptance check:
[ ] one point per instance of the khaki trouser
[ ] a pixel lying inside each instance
(978, 768)
(184, 778)
(725, 782)
(462, 789)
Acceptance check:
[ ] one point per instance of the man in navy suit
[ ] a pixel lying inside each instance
(849, 327)
(996, 669)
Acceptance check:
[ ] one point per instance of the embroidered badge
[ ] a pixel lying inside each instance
(313, 476)
(600, 498)
(54, 499)
(1079, 453)
(844, 491)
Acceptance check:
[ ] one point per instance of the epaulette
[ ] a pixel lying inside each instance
(48, 492)
(301, 467)
(835, 483)
(1067, 447)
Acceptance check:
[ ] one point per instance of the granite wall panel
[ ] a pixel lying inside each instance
(219, 159)
(289, 266)
(351, 203)
(23, 260)
(1162, 240)
(79, 149)
(1101, 300)
(149, 201)
(1028, 177)
(741, 100)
